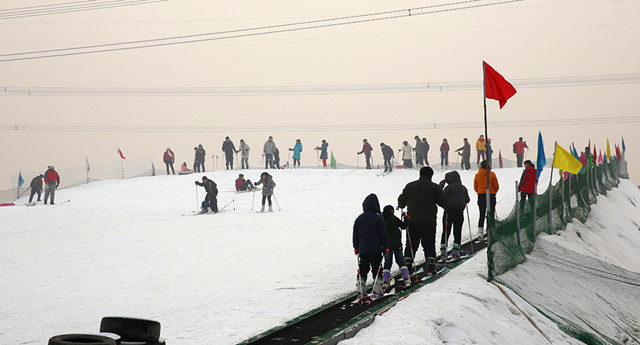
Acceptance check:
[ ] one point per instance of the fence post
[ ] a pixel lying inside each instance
(517, 208)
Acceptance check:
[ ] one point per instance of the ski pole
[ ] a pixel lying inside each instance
(254, 199)
(413, 257)
(359, 279)
(197, 197)
(276, 200)
(21, 194)
(446, 237)
(229, 203)
(377, 275)
(317, 158)
(469, 224)
(357, 161)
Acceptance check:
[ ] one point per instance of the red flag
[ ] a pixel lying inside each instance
(120, 153)
(600, 157)
(496, 87)
(87, 160)
(618, 153)
(500, 158)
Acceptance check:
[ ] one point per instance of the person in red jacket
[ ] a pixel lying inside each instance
(518, 149)
(527, 185)
(51, 182)
(366, 149)
(242, 184)
(168, 159)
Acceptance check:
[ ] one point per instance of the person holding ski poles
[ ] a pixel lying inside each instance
(366, 149)
(267, 189)
(370, 242)
(297, 148)
(421, 198)
(453, 217)
(210, 200)
(323, 152)
(393, 225)
(36, 187)
(244, 154)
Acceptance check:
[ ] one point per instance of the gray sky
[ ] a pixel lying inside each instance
(522, 40)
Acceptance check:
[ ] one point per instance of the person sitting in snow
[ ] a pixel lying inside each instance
(453, 217)
(210, 200)
(393, 225)
(370, 242)
(267, 189)
(242, 184)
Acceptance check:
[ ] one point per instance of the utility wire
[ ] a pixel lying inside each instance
(325, 128)
(33, 11)
(570, 81)
(239, 33)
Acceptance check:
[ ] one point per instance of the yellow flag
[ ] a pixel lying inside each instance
(564, 160)
(608, 152)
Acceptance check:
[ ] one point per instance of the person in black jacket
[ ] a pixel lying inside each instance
(421, 198)
(370, 241)
(393, 225)
(36, 187)
(229, 149)
(210, 200)
(387, 154)
(453, 218)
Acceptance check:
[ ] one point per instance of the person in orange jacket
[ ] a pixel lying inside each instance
(480, 186)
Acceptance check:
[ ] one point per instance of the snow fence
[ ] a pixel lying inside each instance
(593, 301)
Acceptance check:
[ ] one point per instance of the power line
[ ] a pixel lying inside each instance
(239, 33)
(69, 7)
(569, 81)
(324, 128)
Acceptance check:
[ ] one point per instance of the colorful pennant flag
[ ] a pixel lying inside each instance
(565, 161)
(120, 153)
(20, 179)
(495, 86)
(541, 161)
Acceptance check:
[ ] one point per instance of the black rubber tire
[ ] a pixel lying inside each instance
(131, 329)
(81, 339)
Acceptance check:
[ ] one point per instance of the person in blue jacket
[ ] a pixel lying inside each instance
(370, 242)
(323, 152)
(296, 153)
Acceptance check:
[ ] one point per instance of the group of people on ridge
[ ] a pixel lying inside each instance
(210, 202)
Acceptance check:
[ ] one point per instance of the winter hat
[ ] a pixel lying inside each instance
(50, 167)
(204, 178)
(387, 210)
(426, 171)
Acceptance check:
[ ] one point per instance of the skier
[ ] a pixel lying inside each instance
(393, 225)
(244, 154)
(444, 153)
(210, 200)
(480, 186)
(387, 154)
(229, 149)
(323, 152)
(453, 218)
(465, 154)
(419, 148)
(168, 159)
(51, 182)
(518, 149)
(36, 187)
(268, 150)
(276, 159)
(242, 184)
(297, 148)
(480, 147)
(267, 189)
(366, 149)
(527, 185)
(421, 197)
(370, 242)
(406, 154)
(425, 148)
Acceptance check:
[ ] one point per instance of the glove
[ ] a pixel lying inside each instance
(356, 251)
(58, 185)
(385, 251)
(196, 183)
(442, 183)
(405, 215)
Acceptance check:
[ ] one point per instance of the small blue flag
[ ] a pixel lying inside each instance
(20, 180)
(623, 147)
(542, 161)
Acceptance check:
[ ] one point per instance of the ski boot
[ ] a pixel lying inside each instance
(455, 253)
(270, 208)
(443, 253)
(361, 285)
(386, 277)
(262, 209)
(377, 289)
(480, 234)
(431, 265)
(405, 276)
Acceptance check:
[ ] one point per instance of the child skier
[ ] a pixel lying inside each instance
(370, 241)
(267, 189)
(453, 217)
(393, 225)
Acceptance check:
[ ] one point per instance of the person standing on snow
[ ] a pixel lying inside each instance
(480, 186)
(269, 149)
(323, 152)
(267, 189)
(527, 185)
(406, 154)
(36, 187)
(421, 198)
(393, 226)
(425, 148)
(168, 158)
(229, 149)
(297, 148)
(276, 160)
(244, 154)
(480, 147)
(366, 149)
(211, 199)
(51, 182)
(419, 148)
(466, 155)
(387, 155)
(444, 153)
(453, 217)
(518, 149)
(370, 242)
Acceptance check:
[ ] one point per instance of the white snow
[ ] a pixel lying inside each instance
(124, 248)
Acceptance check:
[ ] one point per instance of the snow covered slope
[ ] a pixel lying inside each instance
(125, 248)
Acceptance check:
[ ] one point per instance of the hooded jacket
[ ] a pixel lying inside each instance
(422, 198)
(455, 191)
(528, 180)
(480, 182)
(369, 233)
(267, 184)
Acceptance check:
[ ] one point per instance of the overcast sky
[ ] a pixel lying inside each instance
(541, 40)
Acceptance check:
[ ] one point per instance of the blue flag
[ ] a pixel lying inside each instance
(20, 180)
(542, 161)
(574, 152)
(623, 147)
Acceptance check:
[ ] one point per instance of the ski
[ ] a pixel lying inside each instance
(198, 213)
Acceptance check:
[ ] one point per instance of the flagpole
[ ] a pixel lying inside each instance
(486, 138)
(549, 189)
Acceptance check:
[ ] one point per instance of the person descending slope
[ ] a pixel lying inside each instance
(267, 189)
(370, 242)
(453, 218)
(210, 200)
(393, 225)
